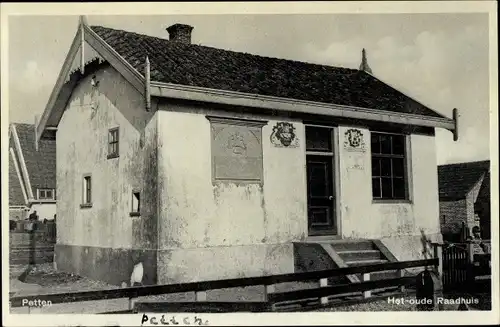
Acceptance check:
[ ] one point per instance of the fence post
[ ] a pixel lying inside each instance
(200, 296)
(401, 273)
(438, 253)
(131, 302)
(470, 252)
(366, 278)
(323, 282)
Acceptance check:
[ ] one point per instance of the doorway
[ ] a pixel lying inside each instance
(321, 201)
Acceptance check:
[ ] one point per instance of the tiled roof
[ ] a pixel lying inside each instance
(41, 164)
(456, 180)
(484, 196)
(202, 66)
(16, 197)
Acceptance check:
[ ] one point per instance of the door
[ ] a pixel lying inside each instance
(320, 195)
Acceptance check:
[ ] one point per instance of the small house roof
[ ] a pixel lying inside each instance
(41, 163)
(456, 180)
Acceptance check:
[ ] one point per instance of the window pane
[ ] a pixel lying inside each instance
(376, 187)
(398, 167)
(375, 140)
(386, 188)
(318, 139)
(375, 167)
(399, 188)
(398, 144)
(385, 143)
(385, 168)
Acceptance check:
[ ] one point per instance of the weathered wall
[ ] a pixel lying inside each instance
(452, 214)
(228, 229)
(362, 217)
(90, 237)
(455, 212)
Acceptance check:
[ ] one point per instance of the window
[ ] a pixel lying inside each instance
(136, 204)
(87, 190)
(46, 194)
(388, 166)
(113, 138)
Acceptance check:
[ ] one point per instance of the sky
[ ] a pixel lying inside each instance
(441, 60)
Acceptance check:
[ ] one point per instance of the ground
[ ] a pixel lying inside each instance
(43, 279)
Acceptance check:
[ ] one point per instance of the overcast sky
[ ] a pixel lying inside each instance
(439, 59)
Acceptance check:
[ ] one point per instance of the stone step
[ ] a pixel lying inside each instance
(353, 245)
(365, 262)
(360, 255)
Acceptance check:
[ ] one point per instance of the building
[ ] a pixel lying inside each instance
(32, 174)
(203, 163)
(460, 203)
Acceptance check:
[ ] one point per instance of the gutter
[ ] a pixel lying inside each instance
(200, 94)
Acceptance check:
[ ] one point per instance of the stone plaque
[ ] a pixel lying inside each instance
(284, 136)
(236, 150)
(354, 140)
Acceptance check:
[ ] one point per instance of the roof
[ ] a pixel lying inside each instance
(484, 196)
(202, 66)
(41, 164)
(456, 180)
(16, 197)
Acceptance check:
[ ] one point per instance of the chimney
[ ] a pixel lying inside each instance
(180, 33)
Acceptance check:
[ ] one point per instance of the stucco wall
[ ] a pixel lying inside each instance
(400, 225)
(362, 217)
(253, 219)
(82, 148)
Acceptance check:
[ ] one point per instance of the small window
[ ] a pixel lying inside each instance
(113, 143)
(87, 190)
(318, 139)
(389, 166)
(46, 194)
(136, 204)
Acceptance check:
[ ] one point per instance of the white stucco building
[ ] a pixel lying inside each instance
(204, 163)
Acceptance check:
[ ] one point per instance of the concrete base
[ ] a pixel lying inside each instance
(113, 266)
(223, 262)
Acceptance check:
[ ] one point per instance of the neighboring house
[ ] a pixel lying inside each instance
(203, 163)
(463, 192)
(32, 174)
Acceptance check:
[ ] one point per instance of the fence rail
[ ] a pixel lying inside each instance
(200, 288)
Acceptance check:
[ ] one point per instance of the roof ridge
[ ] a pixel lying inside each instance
(353, 70)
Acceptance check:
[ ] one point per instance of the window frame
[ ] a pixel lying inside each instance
(86, 191)
(406, 169)
(133, 211)
(45, 190)
(112, 142)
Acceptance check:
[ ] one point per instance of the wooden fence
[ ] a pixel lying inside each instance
(460, 264)
(271, 297)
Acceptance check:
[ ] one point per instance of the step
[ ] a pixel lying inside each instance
(365, 262)
(353, 246)
(360, 255)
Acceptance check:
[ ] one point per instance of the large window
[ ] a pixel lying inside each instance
(113, 142)
(389, 180)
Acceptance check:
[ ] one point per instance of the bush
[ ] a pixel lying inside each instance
(12, 225)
